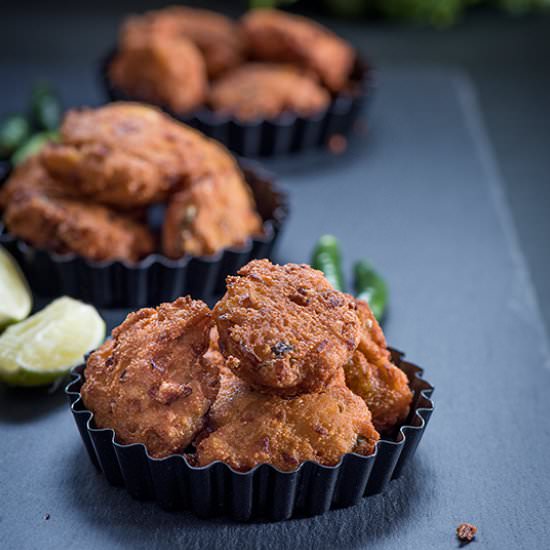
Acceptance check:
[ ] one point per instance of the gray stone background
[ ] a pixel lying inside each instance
(507, 58)
(448, 194)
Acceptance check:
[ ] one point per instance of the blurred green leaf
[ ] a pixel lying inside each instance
(438, 13)
(268, 3)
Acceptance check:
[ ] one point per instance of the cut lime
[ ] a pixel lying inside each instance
(15, 298)
(48, 344)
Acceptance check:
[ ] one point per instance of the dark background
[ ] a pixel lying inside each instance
(508, 59)
(448, 193)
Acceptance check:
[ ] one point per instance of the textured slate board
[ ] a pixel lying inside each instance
(422, 198)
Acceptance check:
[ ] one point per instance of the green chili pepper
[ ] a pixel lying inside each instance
(32, 146)
(328, 259)
(45, 107)
(14, 130)
(371, 287)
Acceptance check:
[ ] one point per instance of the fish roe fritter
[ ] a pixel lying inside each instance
(148, 383)
(284, 329)
(162, 68)
(214, 213)
(128, 154)
(235, 394)
(254, 428)
(219, 39)
(265, 90)
(30, 177)
(371, 375)
(89, 230)
(281, 37)
(44, 213)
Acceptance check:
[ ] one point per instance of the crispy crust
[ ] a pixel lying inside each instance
(264, 90)
(128, 154)
(43, 212)
(250, 428)
(171, 377)
(277, 36)
(147, 383)
(214, 213)
(371, 375)
(162, 68)
(284, 329)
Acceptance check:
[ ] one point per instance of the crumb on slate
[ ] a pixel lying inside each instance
(337, 144)
(466, 532)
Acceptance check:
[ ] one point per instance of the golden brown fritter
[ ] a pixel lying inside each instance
(228, 385)
(30, 177)
(372, 342)
(219, 39)
(284, 328)
(371, 375)
(235, 394)
(265, 90)
(166, 69)
(128, 154)
(252, 428)
(147, 383)
(212, 354)
(281, 37)
(47, 214)
(214, 213)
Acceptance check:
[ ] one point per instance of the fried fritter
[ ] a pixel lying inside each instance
(166, 69)
(147, 383)
(281, 37)
(219, 39)
(234, 394)
(264, 90)
(229, 386)
(252, 428)
(30, 177)
(45, 213)
(128, 154)
(371, 375)
(212, 358)
(284, 329)
(213, 213)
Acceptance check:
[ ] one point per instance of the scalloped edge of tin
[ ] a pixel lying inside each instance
(263, 492)
(287, 133)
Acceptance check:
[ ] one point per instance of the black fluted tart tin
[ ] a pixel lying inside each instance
(285, 134)
(263, 492)
(156, 278)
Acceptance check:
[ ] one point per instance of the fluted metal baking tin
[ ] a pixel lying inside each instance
(263, 492)
(285, 134)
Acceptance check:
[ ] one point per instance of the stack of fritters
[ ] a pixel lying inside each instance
(284, 369)
(89, 193)
(268, 63)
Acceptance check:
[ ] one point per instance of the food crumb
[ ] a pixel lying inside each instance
(337, 144)
(466, 532)
(47, 517)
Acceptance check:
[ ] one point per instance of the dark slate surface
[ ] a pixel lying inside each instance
(421, 197)
(505, 56)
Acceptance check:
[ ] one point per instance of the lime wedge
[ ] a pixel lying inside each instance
(15, 298)
(48, 344)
